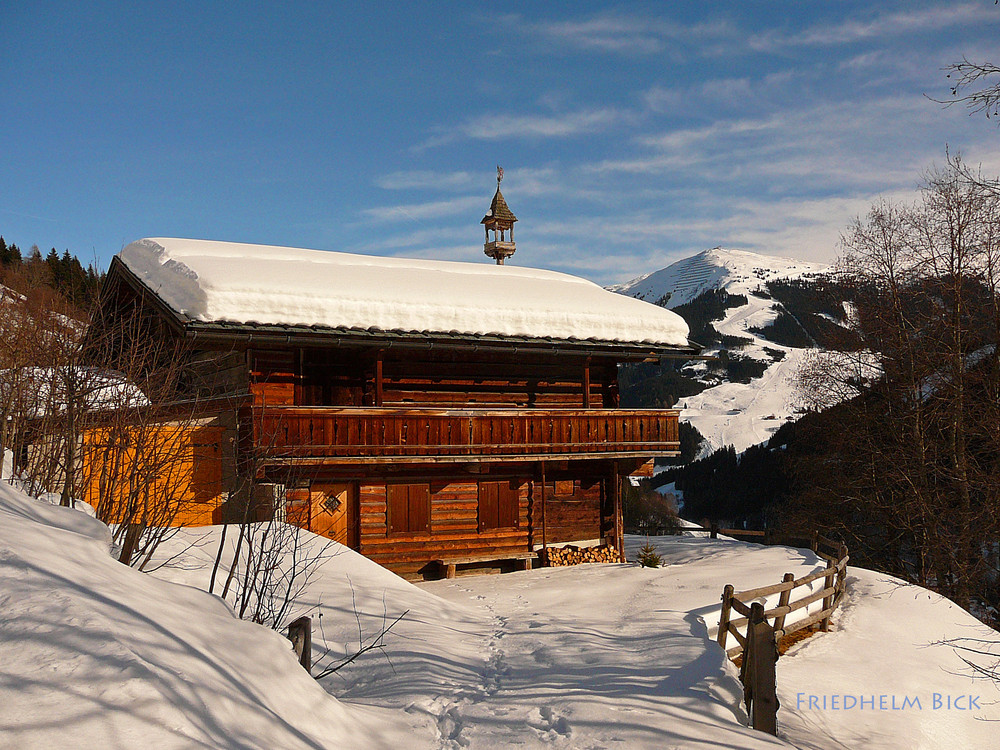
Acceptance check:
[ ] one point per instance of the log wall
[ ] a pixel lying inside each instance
(455, 528)
(350, 377)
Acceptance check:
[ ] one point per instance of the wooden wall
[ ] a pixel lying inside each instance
(573, 513)
(186, 462)
(454, 528)
(572, 510)
(445, 379)
(495, 381)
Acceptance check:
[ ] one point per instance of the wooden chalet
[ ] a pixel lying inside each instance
(427, 414)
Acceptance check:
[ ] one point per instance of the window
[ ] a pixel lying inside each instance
(408, 508)
(565, 487)
(499, 505)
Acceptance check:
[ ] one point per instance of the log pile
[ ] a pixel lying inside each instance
(571, 555)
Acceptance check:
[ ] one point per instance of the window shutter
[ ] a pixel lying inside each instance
(489, 505)
(419, 507)
(397, 507)
(509, 505)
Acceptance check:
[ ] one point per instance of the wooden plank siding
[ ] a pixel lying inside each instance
(378, 434)
(186, 463)
(573, 512)
(312, 377)
(455, 523)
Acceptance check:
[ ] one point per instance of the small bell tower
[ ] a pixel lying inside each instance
(499, 220)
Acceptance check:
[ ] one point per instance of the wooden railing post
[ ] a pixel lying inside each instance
(828, 600)
(842, 573)
(779, 621)
(759, 659)
(300, 634)
(814, 545)
(727, 605)
(714, 532)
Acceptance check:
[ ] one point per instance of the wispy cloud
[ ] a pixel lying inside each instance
(621, 33)
(423, 211)
(424, 179)
(880, 26)
(532, 125)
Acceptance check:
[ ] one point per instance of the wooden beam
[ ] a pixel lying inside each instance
(378, 378)
(619, 541)
(586, 384)
(544, 540)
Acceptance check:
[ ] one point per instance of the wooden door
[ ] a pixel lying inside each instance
(332, 511)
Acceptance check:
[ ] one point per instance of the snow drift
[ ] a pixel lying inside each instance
(95, 654)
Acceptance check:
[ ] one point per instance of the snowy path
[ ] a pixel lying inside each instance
(618, 656)
(594, 656)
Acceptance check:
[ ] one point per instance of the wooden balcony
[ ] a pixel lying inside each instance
(386, 435)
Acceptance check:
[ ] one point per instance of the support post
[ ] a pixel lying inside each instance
(545, 546)
(779, 621)
(842, 574)
(619, 535)
(727, 606)
(586, 384)
(300, 634)
(714, 530)
(829, 598)
(378, 379)
(759, 663)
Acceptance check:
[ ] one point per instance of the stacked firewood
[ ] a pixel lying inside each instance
(571, 555)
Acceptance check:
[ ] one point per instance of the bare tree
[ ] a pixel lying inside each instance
(974, 85)
(910, 467)
(272, 557)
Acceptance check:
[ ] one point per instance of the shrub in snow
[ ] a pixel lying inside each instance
(648, 557)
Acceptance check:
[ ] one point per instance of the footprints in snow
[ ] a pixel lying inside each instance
(452, 713)
(548, 724)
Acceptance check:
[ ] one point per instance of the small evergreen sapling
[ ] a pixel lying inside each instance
(648, 556)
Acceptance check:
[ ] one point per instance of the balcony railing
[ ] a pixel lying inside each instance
(376, 434)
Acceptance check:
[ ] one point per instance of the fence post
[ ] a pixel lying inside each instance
(759, 659)
(814, 545)
(714, 533)
(842, 574)
(831, 571)
(727, 604)
(779, 621)
(300, 634)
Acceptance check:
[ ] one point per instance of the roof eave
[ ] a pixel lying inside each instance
(323, 336)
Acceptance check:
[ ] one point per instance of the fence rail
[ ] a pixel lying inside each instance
(763, 627)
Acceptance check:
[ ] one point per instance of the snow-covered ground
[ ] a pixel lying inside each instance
(622, 656)
(94, 654)
(737, 414)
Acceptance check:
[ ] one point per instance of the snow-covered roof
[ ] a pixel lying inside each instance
(238, 283)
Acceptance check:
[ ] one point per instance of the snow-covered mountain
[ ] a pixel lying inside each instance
(735, 271)
(733, 413)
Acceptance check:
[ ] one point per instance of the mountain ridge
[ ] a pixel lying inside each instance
(733, 285)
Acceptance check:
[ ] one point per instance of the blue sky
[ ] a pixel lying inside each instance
(631, 135)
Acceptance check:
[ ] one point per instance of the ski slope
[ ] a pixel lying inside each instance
(728, 413)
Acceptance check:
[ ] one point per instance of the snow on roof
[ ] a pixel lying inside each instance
(224, 281)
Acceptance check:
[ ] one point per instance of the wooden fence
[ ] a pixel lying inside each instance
(763, 628)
